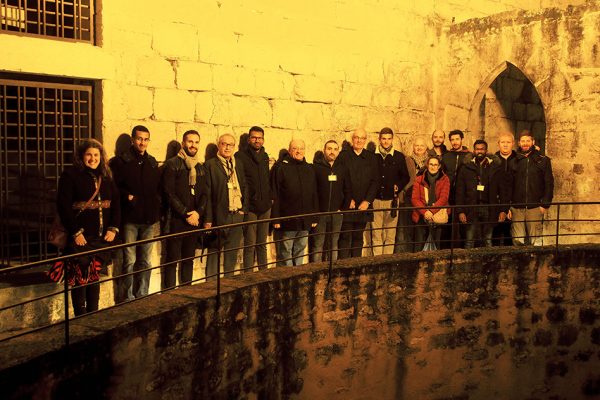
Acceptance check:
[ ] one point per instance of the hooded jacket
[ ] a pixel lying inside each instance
(533, 181)
(295, 193)
(256, 168)
(488, 174)
(340, 188)
(137, 175)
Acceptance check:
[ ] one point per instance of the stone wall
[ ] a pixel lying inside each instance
(495, 324)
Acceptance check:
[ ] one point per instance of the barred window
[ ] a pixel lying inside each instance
(40, 124)
(62, 19)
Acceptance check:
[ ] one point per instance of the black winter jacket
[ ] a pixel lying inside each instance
(256, 168)
(533, 181)
(137, 175)
(341, 187)
(295, 192)
(393, 172)
(364, 175)
(217, 209)
(496, 184)
(77, 185)
(175, 184)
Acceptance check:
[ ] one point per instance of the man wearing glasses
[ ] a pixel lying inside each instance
(137, 176)
(227, 204)
(364, 176)
(256, 166)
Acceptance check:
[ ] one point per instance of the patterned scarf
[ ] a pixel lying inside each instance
(190, 163)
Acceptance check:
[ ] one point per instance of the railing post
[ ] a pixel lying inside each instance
(218, 305)
(452, 233)
(329, 241)
(66, 289)
(557, 228)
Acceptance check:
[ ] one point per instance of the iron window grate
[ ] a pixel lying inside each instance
(61, 19)
(40, 125)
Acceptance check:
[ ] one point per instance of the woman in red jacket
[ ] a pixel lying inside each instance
(430, 190)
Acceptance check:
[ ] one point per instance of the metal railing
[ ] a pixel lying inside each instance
(451, 243)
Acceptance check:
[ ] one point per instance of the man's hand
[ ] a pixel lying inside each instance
(352, 205)
(193, 218)
(363, 205)
(207, 225)
(542, 209)
(130, 197)
(314, 224)
(462, 217)
(80, 240)
(276, 226)
(502, 217)
(110, 236)
(509, 214)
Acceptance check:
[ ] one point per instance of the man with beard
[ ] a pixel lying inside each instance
(533, 189)
(256, 167)
(481, 181)
(227, 204)
(295, 193)
(437, 139)
(186, 190)
(335, 193)
(392, 178)
(451, 163)
(364, 175)
(506, 141)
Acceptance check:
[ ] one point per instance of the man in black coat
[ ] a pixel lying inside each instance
(256, 167)
(137, 176)
(294, 187)
(393, 176)
(186, 189)
(228, 202)
(501, 235)
(364, 175)
(481, 181)
(533, 185)
(334, 191)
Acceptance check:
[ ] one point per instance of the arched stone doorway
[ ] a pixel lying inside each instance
(507, 102)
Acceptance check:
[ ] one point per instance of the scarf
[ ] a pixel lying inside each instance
(419, 160)
(234, 193)
(431, 179)
(190, 163)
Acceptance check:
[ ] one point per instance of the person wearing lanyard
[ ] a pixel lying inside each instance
(228, 202)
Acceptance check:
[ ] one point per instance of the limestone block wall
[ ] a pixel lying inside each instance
(558, 52)
(497, 324)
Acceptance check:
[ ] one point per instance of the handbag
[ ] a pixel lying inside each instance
(440, 217)
(57, 235)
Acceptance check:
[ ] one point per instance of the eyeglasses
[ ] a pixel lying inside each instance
(359, 138)
(227, 145)
(257, 138)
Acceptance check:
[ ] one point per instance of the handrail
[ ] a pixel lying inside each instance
(219, 229)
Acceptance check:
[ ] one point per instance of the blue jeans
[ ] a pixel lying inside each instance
(291, 249)
(137, 258)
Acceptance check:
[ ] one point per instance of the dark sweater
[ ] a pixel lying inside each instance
(533, 181)
(256, 169)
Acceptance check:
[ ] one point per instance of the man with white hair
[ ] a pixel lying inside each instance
(295, 192)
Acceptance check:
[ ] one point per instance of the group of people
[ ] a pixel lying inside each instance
(390, 200)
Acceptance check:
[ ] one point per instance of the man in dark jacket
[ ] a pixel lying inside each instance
(437, 140)
(256, 166)
(227, 204)
(334, 190)
(364, 175)
(533, 189)
(137, 176)
(506, 141)
(393, 176)
(451, 163)
(295, 193)
(481, 181)
(186, 190)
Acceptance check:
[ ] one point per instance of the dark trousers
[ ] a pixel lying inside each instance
(178, 248)
(351, 239)
(422, 231)
(85, 298)
(501, 235)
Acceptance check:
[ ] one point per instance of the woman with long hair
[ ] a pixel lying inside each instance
(431, 190)
(88, 205)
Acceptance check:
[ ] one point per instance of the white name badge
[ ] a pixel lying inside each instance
(229, 185)
(332, 178)
(480, 188)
